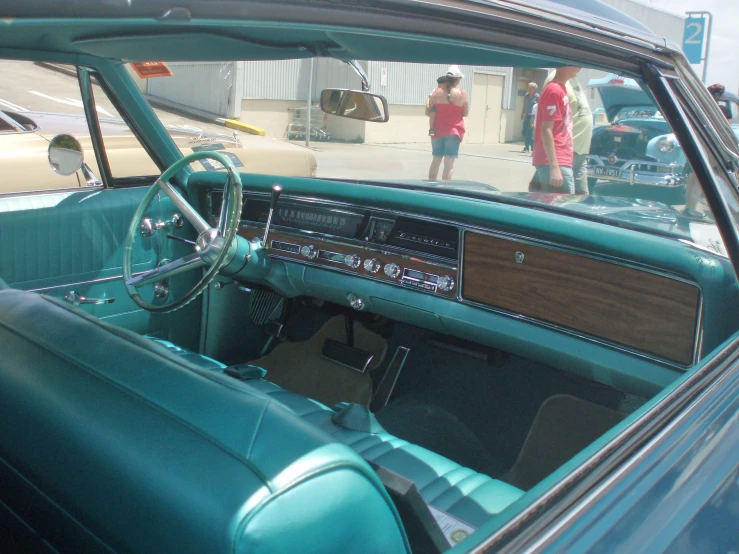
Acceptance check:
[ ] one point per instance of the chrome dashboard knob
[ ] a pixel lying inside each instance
(353, 260)
(372, 265)
(392, 270)
(445, 283)
(356, 302)
(309, 251)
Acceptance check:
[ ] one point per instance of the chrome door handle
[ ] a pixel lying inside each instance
(75, 298)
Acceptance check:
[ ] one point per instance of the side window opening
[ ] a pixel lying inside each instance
(38, 102)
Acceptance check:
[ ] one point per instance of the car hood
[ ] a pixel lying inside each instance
(618, 92)
(52, 124)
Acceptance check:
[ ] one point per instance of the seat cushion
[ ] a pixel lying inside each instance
(120, 444)
(461, 492)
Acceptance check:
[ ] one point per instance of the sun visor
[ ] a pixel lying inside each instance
(186, 47)
(416, 49)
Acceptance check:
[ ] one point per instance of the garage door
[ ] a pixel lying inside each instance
(486, 106)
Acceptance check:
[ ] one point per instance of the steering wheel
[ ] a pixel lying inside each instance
(214, 247)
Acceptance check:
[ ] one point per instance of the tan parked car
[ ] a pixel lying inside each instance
(25, 137)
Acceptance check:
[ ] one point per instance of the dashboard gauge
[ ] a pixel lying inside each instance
(380, 230)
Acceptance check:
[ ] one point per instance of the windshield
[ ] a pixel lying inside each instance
(482, 131)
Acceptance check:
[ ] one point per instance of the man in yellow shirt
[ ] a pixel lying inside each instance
(582, 131)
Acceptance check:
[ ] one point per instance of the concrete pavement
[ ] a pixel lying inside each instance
(500, 165)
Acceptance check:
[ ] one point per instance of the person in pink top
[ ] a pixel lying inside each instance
(451, 105)
(553, 147)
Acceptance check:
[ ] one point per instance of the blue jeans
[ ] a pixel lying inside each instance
(445, 147)
(528, 133)
(568, 187)
(580, 172)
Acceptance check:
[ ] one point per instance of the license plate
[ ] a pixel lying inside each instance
(607, 171)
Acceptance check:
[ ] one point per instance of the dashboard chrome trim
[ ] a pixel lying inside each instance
(338, 208)
(458, 296)
(368, 276)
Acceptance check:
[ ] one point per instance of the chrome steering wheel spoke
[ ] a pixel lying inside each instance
(184, 207)
(187, 263)
(225, 203)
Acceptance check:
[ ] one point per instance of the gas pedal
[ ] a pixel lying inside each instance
(387, 385)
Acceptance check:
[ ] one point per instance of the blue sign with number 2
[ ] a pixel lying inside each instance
(695, 32)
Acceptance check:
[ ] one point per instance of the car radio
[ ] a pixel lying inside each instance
(426, 281)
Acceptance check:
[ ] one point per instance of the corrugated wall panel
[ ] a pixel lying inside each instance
(276, 80)
(201, 85)
(332, 73)
(406, 83)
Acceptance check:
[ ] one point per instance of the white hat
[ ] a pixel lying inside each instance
(454, 71)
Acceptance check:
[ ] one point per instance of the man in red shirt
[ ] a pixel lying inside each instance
(553, 148)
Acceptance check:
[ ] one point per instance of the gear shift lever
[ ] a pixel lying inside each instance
(276, 191)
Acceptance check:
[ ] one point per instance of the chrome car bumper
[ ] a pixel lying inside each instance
(635, 172)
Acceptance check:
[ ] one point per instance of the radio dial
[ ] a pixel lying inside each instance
(353, 260)
(392, 270)
(309, 251)
(372, 265)
(445, 283)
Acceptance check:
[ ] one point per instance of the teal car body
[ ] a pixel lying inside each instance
(131, 428)
(636, 135)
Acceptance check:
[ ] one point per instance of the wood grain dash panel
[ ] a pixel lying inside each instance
(631, 307)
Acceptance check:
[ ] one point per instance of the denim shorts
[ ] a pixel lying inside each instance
(445, 147)
(568, 187)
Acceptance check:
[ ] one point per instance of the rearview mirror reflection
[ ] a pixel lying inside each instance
(355, 104)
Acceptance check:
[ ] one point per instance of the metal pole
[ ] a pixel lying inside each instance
(708, 45)
(709, 16)
(310, 102)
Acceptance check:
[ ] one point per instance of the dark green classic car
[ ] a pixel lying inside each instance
(372, 360)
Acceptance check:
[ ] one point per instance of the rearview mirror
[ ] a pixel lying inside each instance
(65, 155)
(355, 104)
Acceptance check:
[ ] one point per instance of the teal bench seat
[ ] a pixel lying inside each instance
(467, 495)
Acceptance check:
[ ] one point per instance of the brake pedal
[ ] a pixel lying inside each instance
(387, 385)
(274, 332)
(346, 355)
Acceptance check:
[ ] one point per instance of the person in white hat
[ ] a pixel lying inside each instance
(451, 105)
(455, 72)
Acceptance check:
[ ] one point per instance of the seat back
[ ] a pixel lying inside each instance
(111, 443)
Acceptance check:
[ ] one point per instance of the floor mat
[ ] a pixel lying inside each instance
(563, 426)
(300, 367)
(497, 400)
(438, 430)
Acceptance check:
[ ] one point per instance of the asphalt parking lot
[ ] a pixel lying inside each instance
(31, 87)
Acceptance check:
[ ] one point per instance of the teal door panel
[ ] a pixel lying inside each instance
(60, 242)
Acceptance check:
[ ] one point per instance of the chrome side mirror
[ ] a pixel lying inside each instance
(65, 155)
(355, 104)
